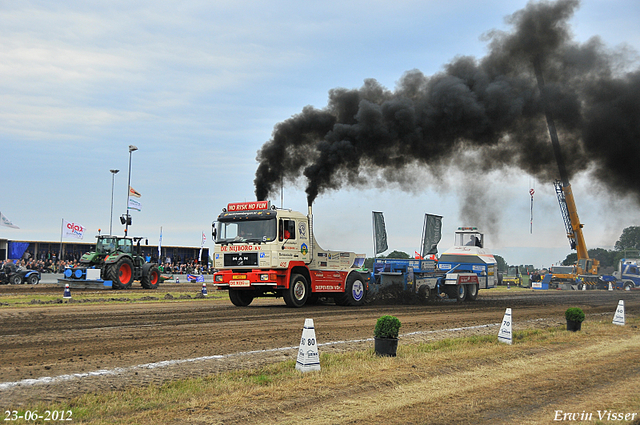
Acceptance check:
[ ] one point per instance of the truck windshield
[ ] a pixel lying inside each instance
(469, 239)
(246, 231)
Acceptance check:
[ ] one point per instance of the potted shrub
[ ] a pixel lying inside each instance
(575, 317)
(386, 335)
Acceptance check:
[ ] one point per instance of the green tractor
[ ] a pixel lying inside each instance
(117, 261)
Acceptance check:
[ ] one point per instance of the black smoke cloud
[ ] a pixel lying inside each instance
(477, 116)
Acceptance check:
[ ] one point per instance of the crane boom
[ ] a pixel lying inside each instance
(586, 268)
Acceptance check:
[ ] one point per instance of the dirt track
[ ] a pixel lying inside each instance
(126, 341)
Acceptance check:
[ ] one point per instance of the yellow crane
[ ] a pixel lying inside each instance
(586, 269)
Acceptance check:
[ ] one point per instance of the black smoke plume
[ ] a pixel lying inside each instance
(477, 116)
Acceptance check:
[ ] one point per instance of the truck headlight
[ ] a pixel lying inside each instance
(219, 278)
(264, 277)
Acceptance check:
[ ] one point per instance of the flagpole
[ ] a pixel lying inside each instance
(61, 226)
(373, 228)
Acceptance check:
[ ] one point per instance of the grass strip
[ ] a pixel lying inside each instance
(485, 380)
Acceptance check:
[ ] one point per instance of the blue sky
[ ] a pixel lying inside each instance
(198, 87)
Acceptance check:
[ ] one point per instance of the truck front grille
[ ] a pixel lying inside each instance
(241, 259)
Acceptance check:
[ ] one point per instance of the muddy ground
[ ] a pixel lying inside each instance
(54, 352)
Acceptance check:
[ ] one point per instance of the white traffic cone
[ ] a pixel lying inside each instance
(308, 356)
(618, 318)
(584, 286)
(505, 328)
(204, 289)
(67, 292)
(177, 280)
(610, 286)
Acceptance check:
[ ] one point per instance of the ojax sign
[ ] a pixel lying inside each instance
(72, 230)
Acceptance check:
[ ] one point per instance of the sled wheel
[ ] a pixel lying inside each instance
(425, 293)
(121, 274)
(298, 292)
(151, 279)
(457, 292)
(472, 292)
(240, 298)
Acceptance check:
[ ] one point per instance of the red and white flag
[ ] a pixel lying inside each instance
(72, 230)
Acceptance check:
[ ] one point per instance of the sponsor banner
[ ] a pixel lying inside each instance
(248, 206)
(379, 233)
(72, 230)
(432, 233)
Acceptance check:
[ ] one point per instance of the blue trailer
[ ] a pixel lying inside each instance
(459, 273)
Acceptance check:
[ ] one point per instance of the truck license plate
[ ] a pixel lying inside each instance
(239, 283)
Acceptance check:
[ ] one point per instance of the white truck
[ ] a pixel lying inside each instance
(627, 276)
(264, 251)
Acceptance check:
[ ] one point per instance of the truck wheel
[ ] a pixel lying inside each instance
(121, 274)
(240, 298)
(298, 292)
(151, 279)
(628, 286)
(354, 291)
(33, 279)
(472, 292)
(16, 279)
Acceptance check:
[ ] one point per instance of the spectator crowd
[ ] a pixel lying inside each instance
(52, 265)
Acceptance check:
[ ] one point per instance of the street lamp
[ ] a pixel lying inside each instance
(132, 148)
(113, 177)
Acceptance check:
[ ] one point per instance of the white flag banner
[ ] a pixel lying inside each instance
(72, 230)
(134, 204)
(4, 221)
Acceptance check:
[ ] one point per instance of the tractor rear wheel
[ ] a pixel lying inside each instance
(151, 279)
(121, 273)
(16, 279)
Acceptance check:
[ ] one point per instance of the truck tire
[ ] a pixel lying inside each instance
(628, 286)
(121, 274)
(151, 279)
(472, 292)
(298, 292)
(16, 279)
(354, 291)
(240, 298)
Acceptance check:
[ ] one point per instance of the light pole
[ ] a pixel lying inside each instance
(113, 178)
(132, 148)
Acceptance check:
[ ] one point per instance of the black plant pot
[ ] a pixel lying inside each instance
(386, 346)
(573, 326)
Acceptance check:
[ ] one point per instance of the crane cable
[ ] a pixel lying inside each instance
(531, 192)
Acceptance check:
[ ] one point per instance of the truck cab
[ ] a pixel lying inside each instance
(265, 251)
